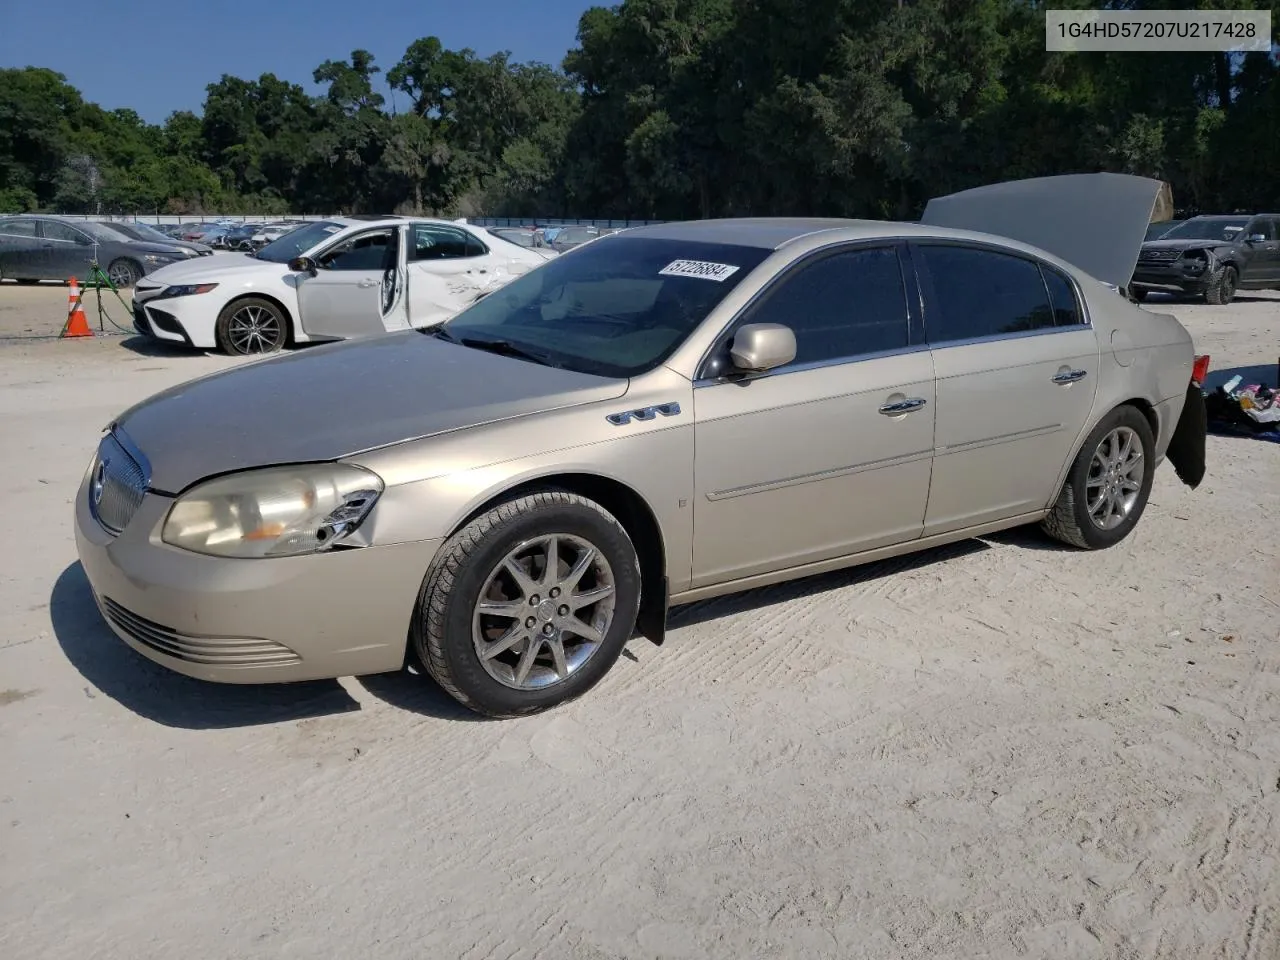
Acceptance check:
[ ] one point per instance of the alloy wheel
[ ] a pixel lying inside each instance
(1115, 478)
(122, 275)
(253, 329)
(543, 612)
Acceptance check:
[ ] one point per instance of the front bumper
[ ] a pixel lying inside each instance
(336, 614)
(1170, 277)
(189, 320)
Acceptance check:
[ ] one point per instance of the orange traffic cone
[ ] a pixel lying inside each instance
(77, 323)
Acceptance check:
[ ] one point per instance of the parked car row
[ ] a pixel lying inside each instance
(1210, 256)
(328, 280)
(35, 248)
(232, 234)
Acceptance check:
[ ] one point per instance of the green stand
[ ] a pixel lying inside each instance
(97, 279)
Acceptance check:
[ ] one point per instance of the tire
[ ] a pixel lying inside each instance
(124, 273)
(1071, 520)
(449, 630)
(251, 326)
(1222, 288)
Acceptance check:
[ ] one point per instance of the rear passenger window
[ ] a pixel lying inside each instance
(843, 305)
(1062, 296)
(981, 293)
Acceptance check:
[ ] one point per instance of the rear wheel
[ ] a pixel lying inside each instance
(1222, 288)
(251, 326)
(1107, 488)
(529, 605)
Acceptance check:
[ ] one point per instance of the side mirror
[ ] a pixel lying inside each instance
(758, 347)
(303, 265)
(1258, 238)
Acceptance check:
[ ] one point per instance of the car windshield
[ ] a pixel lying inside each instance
(1224, 229)
(297, 242)
(615, 308)
(147, 232)
(519, 237)
(102, 232)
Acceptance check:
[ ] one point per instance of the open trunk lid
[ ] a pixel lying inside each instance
(1094, 221)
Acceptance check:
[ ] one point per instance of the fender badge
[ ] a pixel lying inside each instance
(644, 413)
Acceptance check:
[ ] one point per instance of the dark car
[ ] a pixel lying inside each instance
(1157, 230)
(146, 233)
(1212, 257)
(240, 237)
(36, 248)
(569, 237)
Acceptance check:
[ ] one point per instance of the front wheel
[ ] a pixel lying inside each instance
(1108, 485)
(251, 326)
(529, 605)
(1222, 288)
(124, 273)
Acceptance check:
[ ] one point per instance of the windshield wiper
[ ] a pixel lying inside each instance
(440, 333)
(502, 347)
(507, 349)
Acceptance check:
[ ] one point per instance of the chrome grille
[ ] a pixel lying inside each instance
(116, 486)
(1160, 256)
(213, 651)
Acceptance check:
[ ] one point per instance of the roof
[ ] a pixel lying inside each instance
(768, 233)
(774, 233)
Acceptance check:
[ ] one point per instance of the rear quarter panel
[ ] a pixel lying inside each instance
(1145, 356)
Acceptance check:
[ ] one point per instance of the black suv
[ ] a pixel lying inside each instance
(1212, 257)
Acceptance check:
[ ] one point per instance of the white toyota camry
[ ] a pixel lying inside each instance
(328, 280)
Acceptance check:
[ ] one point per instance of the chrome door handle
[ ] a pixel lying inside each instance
(367, 283)
(1070, 376)
(903, 406)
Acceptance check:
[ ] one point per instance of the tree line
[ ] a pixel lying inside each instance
(670, 109)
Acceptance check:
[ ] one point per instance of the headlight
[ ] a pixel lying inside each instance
(158, 258)
(187, 290)
(276, 512)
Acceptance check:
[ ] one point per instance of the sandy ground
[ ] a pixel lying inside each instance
(998, 749)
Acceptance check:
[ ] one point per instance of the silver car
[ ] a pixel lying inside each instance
(673, 413)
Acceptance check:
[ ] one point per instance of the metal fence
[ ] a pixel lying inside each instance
(557, 222)
(157, 219)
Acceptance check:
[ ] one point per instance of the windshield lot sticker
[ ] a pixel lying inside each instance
(700, 269)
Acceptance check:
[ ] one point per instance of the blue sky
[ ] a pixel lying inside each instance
(159, 56)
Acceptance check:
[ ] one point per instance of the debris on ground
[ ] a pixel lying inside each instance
(1252, 409)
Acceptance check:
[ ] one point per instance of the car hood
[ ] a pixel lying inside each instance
(328, 402)
(226, 264)
(1095, 221)
(161, 249)
(1184, 244)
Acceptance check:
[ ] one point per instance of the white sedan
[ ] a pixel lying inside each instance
(333, 279)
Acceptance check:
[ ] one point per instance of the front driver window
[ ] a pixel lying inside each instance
(841, 305)
(367, 251)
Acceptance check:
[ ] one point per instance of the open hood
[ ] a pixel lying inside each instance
(1094, 221)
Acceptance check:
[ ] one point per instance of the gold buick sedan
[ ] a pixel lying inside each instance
(659, 416)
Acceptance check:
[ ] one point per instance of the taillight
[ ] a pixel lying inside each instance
(1200, 370)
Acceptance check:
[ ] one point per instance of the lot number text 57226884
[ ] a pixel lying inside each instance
(1157, 30)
